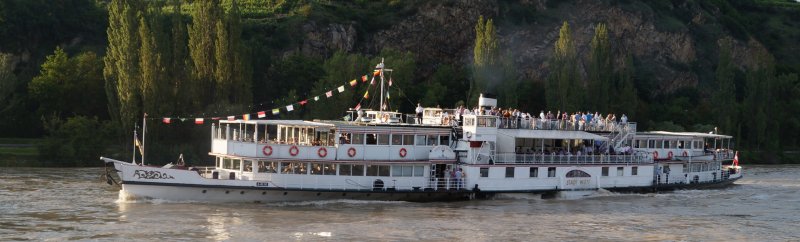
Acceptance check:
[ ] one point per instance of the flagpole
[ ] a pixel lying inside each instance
(133, 159)
(144, 134)
(383, 66)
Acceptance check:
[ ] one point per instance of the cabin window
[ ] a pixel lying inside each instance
(358, 170)
(469, 121)
(397, 139)
(236, 164)
(419, 140)
(444, 140)
(408, 139)
(267, 167)
(681, 145)
(219, 162)
(358, 139)
(419, 171)
(376, 170)
(372, 139)
(300, 167)
(432, 140)
(383, 139)
(659, 144)
(227, 163)
(403, 171)
(316, 169)
(620, 171)
(248, 165)
(328, 169)
(673, 144)
(345, 170)
(484, 171)
(287, 168)
(667, 144)
(634, 171)
(577, 173)
(534, 172)
(604, 171)
(651, 144)
(551, 172)
(509, 172)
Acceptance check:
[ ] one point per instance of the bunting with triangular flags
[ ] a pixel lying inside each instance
(353, 83)
(366, 95)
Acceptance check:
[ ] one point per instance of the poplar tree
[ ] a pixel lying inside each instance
(724, 95)
(202, 35)
(600, 66)
(231, 72)
(154, 89)
(121, 70)
(486, 71)
(564, 90)
(625, 99)
(183, 89)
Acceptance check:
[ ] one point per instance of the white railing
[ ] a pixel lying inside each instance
(564, 125)
(514, 158)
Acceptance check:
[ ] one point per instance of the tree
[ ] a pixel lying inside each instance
(600, 76)
(231, 73)
(758, 103)
(182, 89)
(339, 69)
(626, 99)
(121, 69)
(154, 86)
(69, 86)
(486, 71)
(723, 98)
(202, 36)
(564, 90)
(8, 81)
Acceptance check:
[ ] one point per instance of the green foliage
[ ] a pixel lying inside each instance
(77, 142)
(564, 91)
(600, 78)
(488, 72)
(625, 99)
(447, 86)
(70, 86)
(8, 80)
(339, 69)
(724, 95)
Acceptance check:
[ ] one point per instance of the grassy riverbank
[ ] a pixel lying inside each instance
(19, 152)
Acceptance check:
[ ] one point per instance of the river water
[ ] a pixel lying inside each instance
(75, 204)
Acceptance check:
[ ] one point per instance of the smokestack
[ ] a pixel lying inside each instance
(487, 101)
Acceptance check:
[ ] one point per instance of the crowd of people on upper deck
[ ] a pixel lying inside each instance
(514, 118)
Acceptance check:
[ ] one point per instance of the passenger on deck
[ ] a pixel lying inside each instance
(419, 113)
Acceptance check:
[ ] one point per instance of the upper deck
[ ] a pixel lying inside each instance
(328, 141)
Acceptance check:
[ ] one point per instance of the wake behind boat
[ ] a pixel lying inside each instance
(435, 155)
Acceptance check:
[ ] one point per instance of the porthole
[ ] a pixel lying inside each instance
(204, 191)
(263, 193)
(318, 194)
(226, 192)
(242, 192)
(284, 193)
(344, 194)
(368, 194)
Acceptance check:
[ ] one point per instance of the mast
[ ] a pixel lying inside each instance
(381, 107)
(144, 133)
(382, 68)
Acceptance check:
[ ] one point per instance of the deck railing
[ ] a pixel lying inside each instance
(564, 125)
(516, 158)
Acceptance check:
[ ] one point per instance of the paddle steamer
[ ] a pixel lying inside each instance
(384, 155)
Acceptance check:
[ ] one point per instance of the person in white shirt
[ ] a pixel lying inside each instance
(419, 113)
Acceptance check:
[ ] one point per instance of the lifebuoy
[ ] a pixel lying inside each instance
(351, 152)
(294, 150)
(655, 155)
(322, 152)
(685, 154)
(403, 152)
(267, 150)
(669, 155)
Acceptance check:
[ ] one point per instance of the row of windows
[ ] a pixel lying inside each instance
(699, 167)
(323, 169)
(621, 171)
(668, 144)
(394, 139)
(532, 172)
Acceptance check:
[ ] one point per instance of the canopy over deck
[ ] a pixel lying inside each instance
(551, 134)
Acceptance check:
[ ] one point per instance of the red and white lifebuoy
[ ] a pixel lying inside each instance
(685, 154)
(351, 152)
(669, 155)
(655, 155)
(267, 150)
(403, 152)
(322, 152)
(294, 150)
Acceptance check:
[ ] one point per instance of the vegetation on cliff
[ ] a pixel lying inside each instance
(675, 65)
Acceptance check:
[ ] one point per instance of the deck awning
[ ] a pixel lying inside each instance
(550, 134)
(685, 134)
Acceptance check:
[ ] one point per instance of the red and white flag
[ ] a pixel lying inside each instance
(329, 94)
(390, 81)
(358, 107)
(166, 120)
(262, 114)
(736, 159)
(198, 121)
(231, 118)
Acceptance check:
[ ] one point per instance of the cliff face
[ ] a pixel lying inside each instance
(443, 32)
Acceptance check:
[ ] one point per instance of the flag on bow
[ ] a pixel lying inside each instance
(736, 159)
